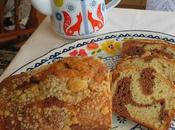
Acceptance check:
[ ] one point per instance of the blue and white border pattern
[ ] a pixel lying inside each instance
(57, 53)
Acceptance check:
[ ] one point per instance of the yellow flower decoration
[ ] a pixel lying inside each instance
(58, 3)
(111, 47)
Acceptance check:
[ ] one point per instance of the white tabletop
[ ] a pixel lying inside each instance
(44, 39)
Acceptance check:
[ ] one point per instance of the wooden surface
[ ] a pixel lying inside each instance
(1, 18)
(136, 4)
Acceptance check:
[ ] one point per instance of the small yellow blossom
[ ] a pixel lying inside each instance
(111, 47)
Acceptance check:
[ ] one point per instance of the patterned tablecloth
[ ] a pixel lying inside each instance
(164, 5)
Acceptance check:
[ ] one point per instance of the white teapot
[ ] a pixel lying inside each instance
(75, 19)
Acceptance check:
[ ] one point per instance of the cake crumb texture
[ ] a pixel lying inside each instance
(140, 47)
(71, 94)
(154, 110)
(143, 83)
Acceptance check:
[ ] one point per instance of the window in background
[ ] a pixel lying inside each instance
(164, 5)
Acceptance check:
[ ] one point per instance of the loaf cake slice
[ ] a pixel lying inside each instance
(140, 47)
(144, 96)
(71, 94)
(161, 64)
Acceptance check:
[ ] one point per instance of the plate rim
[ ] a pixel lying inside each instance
(71, 42)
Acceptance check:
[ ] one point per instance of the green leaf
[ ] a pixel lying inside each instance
(99, 50)
(92, 53)
(100, 57)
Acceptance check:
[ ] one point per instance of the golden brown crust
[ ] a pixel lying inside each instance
(73, 93)
(136, 47)
(121, 86)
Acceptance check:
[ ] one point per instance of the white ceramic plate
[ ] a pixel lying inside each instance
(106, 47)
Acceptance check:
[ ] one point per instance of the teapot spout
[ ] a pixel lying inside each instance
(44, 6)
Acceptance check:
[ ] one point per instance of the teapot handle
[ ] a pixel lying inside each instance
(112, 4)
(44, 6)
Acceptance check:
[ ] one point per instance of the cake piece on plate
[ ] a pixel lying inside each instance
(71, 94)
(144, 96)
(161, 64)
(140, 47)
